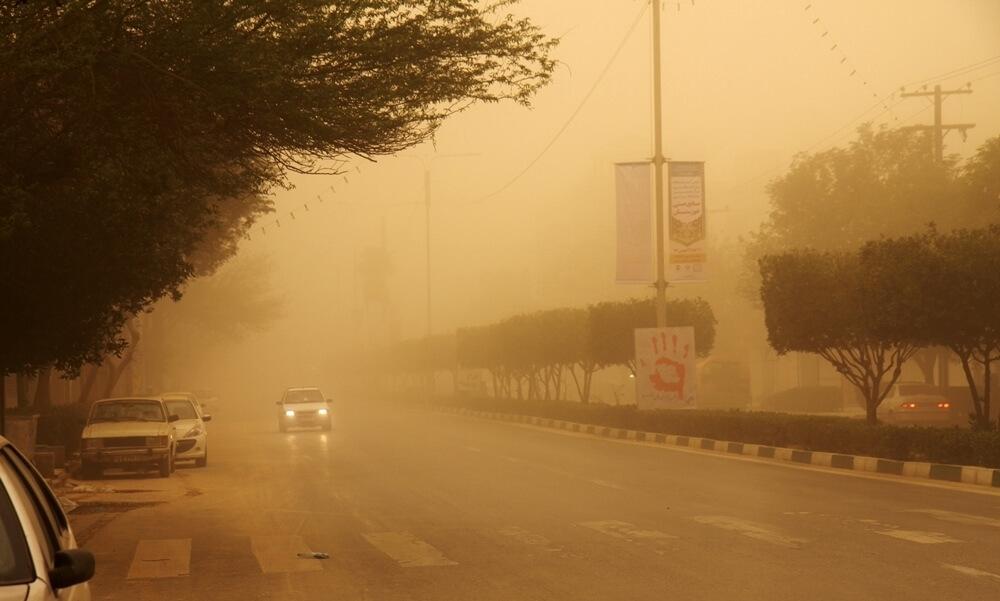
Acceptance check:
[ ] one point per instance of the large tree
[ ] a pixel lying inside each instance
(129, 126)
(857, 314)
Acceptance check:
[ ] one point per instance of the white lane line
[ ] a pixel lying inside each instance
(974, 572)
(278, 554)
(750, 530)
(626, 531)
(407, 550)
(605, 484)
(918, 536)
(959, 518)
(167, 558)
(528, 538)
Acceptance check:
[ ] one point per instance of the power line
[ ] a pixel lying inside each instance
(958, 71)
(573, 115)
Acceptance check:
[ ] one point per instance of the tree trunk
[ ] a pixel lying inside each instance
(977, 400)
(987, 415)
(22, 391)
(87, 379)
(116, 369)
(926, 359)
(43, 392)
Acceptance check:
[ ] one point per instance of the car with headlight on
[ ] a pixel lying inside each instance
(190, 431)
(304, 408)
(128, 433)
(39, 559)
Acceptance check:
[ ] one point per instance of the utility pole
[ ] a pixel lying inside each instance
(939, 129)
(658, 160)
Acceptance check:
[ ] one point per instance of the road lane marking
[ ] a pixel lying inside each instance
(750, 530)
(165, 558)
(974, 572)
(626, 531)
(918, 536)
(407, 550)
(528, 538)
(959, 518)
(278, 554)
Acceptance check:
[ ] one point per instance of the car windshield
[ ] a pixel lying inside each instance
(182, 409)
(304, 395)
(128, 411)
(911, 389)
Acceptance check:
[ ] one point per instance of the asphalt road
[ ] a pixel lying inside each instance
(410, 504)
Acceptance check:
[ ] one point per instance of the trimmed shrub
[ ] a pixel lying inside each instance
(806, 432)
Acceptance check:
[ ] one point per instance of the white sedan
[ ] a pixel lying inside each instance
(39, 559)
(190, 432)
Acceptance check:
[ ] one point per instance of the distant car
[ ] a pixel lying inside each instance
(920, 404)
(304, 407)
(130, 433)
(190, 432)
(39, 559)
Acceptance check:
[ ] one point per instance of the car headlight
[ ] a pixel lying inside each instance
(156, 441)
(324, 412)
(290, 413)
(93, 443)
(195, 431)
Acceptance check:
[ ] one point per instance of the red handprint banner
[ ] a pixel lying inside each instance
(665, 364)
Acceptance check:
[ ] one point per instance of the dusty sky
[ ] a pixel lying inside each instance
(747, 84)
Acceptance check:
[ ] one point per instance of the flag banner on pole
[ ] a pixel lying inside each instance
(665, 368)
(634, 191)
(686, 225)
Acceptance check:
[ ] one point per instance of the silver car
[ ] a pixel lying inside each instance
(39, 559)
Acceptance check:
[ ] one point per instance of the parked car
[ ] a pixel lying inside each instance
(190, 432)
(920, 404)
(39, 559)
(130, 433)
(304, 407)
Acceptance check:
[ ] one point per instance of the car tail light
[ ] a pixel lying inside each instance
(944, 405)
(909, 405)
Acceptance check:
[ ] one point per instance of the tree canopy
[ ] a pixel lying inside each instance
(137, 125)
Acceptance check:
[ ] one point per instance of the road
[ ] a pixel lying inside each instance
(411, 504)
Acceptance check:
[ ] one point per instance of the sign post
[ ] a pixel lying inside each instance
(666, 369)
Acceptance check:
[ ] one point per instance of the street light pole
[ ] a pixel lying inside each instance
(427, 239)
(658, 160)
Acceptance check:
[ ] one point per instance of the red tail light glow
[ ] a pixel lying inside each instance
(944, 405)
(909, 405)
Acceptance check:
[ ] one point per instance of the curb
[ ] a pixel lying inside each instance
(964, 474)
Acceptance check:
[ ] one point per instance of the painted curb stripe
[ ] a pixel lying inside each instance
(952, 473)
(974, 475)
(802, 456)
(888, 466)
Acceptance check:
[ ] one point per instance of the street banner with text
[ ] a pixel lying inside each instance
(633, 188)
(686, 215)
(666, 369)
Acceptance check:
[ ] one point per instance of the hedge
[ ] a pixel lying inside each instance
(805, 432)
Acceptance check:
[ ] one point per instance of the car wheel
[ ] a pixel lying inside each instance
(202, 461)
(166, 466)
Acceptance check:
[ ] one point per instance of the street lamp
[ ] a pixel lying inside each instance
(428, 162)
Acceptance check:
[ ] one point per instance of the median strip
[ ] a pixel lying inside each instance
(977, 476)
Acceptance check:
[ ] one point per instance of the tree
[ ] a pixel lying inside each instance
(856, 314)
(135, 124)
(613, 325)
(884, 183)
(957, 277)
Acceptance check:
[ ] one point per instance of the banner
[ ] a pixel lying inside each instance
(665, 369)
(686, 225)
(634, 191)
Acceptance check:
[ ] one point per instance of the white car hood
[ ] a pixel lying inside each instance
(305, 406)
(183, 426)
(114, 429)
